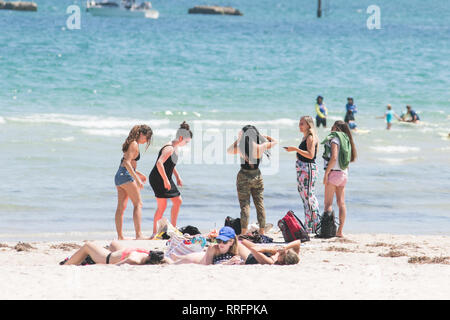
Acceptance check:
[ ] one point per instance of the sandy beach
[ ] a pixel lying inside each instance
(360, 266)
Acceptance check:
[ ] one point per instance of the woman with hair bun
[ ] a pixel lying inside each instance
(161, 176)
(129, 181)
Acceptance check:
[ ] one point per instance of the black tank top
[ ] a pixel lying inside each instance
(169, 165)
(303, 147)
(249, 166)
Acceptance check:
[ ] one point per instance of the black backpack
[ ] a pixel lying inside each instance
(233, 223)
(327, 226)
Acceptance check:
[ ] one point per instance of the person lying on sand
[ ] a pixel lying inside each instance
(224, 252)
(284, 255)
(116, 255)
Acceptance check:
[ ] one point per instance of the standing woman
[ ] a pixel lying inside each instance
(129, 181)
(161, 176)
(307, 171)
(251, 146)
(339, 152)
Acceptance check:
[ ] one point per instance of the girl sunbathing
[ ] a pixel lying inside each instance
(116, 254)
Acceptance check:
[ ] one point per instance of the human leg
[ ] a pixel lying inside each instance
(257, 192)
(340, 199)
(134, 194)
(161, 204)
(243, 190)
(176, 203)
(122, 200)
(96, 252)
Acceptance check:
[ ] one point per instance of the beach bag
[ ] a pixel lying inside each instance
(326, 228)
(181, 245)
(292, 228)
(233, 223)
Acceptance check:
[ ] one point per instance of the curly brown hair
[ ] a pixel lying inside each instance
(135, 133)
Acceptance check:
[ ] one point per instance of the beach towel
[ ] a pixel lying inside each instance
(345, 149)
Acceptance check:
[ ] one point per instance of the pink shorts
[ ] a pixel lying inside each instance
(338, 178)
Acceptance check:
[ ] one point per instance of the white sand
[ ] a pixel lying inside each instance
(329, 269)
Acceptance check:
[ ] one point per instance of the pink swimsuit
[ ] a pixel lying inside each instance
(127, 251)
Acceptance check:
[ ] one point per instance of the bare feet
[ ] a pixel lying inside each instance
(123, 238)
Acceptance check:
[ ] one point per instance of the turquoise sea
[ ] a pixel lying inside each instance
(68, 99)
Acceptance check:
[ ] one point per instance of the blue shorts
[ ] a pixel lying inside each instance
(352, 125)
(122, 176)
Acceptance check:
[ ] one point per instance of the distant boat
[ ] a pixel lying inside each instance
(126, 8)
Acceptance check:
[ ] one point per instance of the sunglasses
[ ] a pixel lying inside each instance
(221, 241)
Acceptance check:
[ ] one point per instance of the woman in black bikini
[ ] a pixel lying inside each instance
(161, 176)
(129, 181)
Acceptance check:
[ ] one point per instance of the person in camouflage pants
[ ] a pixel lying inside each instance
(251, 146)
(250, 182)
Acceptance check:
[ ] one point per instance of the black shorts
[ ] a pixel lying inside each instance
(322, 121)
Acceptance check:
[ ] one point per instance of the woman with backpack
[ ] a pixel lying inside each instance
(339, 152)
(251, 146)
(307, 171)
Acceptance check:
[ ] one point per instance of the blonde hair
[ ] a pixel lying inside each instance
(291, 257)
(312, 128)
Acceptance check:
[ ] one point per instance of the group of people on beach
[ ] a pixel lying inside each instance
(251, 146)
(350, 110)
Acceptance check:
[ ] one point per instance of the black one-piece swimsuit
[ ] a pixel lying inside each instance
(156, 181)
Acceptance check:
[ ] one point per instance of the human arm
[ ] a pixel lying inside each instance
(310, 148)
(177, 176)
(319, 113)
(233, 149)
(165, 154)
(295, 245)
(265, 146)
(332, 162)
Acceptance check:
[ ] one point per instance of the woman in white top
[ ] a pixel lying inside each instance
(335, 177)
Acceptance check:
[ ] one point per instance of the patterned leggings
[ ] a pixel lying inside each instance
(306, 181)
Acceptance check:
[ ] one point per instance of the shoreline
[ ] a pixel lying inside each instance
(359, 266)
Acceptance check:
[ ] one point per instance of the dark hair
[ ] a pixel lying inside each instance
(251, 134)
(343, 127)
(134, 134)
(155, 257)
(319, 97)
(184, 131)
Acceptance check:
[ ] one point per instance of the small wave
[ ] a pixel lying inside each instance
(83, 121)
(2, 120)
(221, 123)
(398, 160)
(395, 149)
(106, 132)
(65, 139)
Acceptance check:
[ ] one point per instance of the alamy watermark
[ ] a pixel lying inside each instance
(73, 22)
(374, 20)
(209, 146)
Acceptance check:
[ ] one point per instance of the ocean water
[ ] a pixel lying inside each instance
(68, 99)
